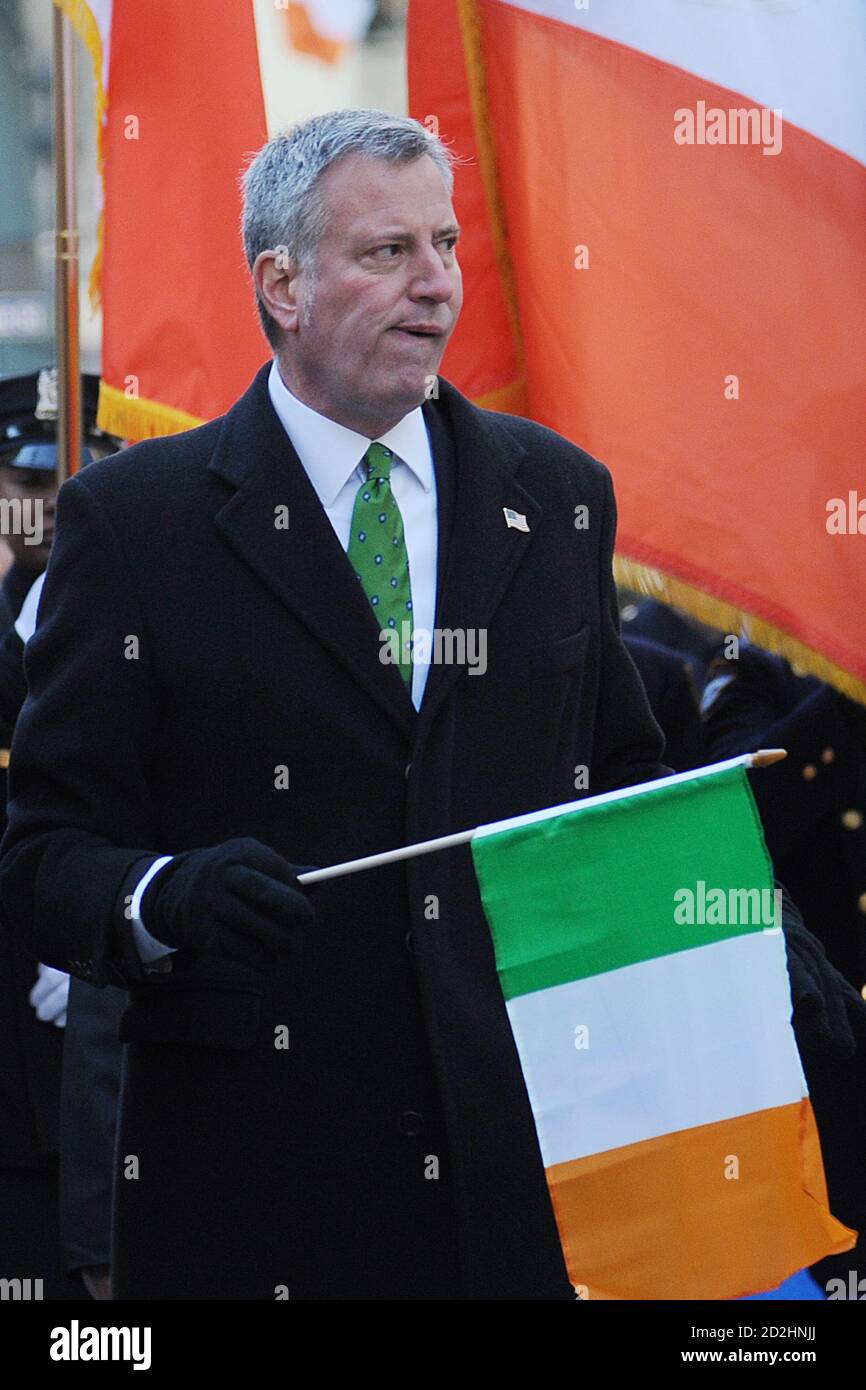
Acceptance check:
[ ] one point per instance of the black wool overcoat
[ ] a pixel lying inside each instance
(193, 657)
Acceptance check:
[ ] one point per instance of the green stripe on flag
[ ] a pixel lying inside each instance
(598, 888)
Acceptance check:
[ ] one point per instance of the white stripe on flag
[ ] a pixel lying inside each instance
(684, 1040)
(807, 57)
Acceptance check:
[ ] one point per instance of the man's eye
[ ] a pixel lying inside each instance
(392, 246)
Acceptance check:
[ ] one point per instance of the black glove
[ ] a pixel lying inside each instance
(239, 898)
(827, 1009)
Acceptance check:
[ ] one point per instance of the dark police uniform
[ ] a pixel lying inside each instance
(669, 682)
(30, 1050)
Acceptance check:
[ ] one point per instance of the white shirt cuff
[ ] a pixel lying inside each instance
(147, 946)
(25, 623)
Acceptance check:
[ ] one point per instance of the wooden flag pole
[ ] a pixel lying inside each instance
(764, 757)
(66, 253)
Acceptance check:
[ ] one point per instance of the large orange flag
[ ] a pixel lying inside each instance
(665, 256)
(180, 106)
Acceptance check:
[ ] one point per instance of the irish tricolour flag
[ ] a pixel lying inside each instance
(663, 206)
(643, 966)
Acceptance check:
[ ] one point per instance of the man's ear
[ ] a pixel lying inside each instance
(275, 276)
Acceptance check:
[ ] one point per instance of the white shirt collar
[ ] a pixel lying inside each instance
(330, 452)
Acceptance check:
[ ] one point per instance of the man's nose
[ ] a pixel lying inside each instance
(431, 278)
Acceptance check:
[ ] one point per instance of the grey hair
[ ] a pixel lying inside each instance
(283, 206)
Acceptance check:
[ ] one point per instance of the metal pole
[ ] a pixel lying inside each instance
(66, 253)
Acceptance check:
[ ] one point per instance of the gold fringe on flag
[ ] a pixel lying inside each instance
(510, 400)
(137, 418)
(728, 618)
(134, 418)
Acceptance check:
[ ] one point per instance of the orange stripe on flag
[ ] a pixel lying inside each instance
(698, 1231)
(185, 108)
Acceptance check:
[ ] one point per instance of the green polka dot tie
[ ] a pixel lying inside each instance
(377, 552)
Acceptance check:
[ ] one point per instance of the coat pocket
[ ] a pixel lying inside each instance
(193, 1014)
(561, 655)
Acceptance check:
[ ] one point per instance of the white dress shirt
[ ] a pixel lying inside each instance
(25, 623)
(332, 457)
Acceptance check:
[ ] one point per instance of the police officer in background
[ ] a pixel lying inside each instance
(33, 997)
(28, 482)
(646, 619)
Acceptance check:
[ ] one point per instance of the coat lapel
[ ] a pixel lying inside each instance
(306, 567)
(479, 552)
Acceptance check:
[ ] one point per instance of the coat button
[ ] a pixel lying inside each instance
(810, 771)
(411, 1122)
(852, 820)
(828, 755)
(861, 902)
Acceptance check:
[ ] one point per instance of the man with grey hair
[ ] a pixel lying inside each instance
(322, 1098)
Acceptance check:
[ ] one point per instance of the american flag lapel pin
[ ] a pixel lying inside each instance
(515, 519)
